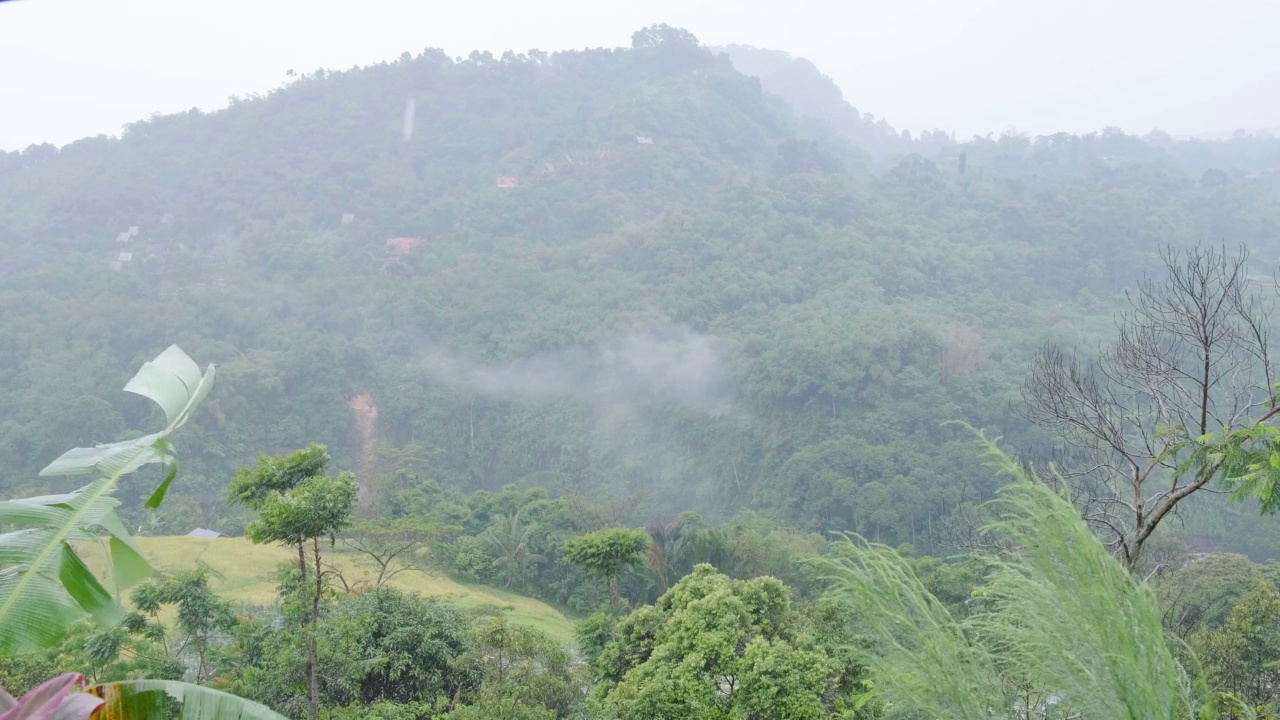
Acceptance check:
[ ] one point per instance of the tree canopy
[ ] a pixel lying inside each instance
(766, 307)
(665, 316)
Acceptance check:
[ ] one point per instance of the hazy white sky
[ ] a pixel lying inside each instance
(71, 68)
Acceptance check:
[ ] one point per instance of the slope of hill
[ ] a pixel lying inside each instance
(625, 273)
(246, 574)
(814, 95)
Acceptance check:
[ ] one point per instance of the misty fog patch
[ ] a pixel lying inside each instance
(667, 365)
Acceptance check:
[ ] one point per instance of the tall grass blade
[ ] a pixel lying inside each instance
(1059, 616)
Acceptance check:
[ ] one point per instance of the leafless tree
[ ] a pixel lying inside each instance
(610, 511)
(1190, 362)
(962, 350)
(391, 545)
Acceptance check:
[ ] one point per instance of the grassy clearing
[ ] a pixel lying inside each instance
(245, 573)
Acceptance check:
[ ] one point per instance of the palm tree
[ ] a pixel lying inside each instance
(667, 553)
(713, 546)
(512, 540)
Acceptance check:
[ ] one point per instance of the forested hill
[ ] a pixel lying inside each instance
(628, 273)
(814, 95)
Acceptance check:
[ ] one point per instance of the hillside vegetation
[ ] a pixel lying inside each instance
(247, 575)
(677, 342)
(750, 311)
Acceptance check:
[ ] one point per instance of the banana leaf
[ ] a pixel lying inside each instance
(44, 585)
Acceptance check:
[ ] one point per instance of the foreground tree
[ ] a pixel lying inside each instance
(279, 474)
(1180, 399)
(524, 671)
(113, 654)
(717, 648)
(1243, 657)
(608, 553)
(1201, 594)
(388, 646)
(203, 617)
(297, 505)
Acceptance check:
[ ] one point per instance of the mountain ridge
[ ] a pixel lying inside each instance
(850, 305)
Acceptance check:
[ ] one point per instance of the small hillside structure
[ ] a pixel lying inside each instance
(402, 246)
(203, 533)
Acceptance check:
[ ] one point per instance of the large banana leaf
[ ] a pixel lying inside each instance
(149, 700)
(173, 381)
(66, 698)
(44, 586)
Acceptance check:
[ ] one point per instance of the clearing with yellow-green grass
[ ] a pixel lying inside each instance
(246, 573)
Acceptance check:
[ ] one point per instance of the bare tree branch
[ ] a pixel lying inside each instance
(1191, 358)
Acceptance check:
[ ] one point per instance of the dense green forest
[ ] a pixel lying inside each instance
(748, 312)
(531, 301)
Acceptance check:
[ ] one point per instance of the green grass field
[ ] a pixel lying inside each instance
(245, 573)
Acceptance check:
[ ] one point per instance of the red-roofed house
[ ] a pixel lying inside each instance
(402, 246)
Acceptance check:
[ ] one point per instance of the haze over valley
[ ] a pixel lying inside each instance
(696, 377)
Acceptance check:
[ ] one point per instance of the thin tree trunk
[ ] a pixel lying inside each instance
(471, 425)
(313, 688)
